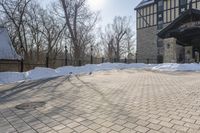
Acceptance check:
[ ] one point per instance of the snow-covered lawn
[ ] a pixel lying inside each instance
(42, 73)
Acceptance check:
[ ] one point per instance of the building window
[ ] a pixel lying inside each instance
(183, 2)
(160, 10)
(160, 5)
(182, 5)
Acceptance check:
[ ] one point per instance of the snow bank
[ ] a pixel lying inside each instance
(99, 67)
(10, 77)
(177, 67)
(42, 73)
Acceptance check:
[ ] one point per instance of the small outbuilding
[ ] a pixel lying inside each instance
(9, 59)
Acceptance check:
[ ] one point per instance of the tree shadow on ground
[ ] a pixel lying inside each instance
(6, 95)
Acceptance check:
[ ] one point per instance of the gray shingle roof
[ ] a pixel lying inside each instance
(7, 51)
(144, 3)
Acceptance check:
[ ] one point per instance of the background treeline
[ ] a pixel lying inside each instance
(64, 28)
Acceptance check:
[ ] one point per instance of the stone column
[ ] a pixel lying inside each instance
(170, 50)
(188, 54)
(196, 56)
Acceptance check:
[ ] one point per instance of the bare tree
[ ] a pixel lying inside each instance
(80, 23)
(14, 11)
(107, 39)
(120, 26)
(36, 39)
(118, 38)
(52, 32)
(129, 44)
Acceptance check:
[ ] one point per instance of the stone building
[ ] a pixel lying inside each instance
(168, 31)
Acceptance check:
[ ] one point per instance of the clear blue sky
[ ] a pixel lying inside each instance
(111, 8)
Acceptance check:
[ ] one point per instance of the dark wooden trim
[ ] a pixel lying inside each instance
(9, 60)
(167, 9)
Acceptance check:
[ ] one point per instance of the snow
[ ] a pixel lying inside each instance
(177, 67)
(40, 73)
(7, 51)
(9, 77)
(43, 73)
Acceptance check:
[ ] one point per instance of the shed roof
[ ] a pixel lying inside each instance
(7, 51)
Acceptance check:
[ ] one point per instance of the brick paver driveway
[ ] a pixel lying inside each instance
(120, 101)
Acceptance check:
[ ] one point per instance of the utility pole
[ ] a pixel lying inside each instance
(66, 59)
(22, 58)
(47, 60)
(91, 48)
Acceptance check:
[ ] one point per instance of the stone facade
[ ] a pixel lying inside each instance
(147, 45)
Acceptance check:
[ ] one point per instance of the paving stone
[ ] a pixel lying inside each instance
(142, 123)
(94, 126)
(166, 124)
(177, 122)
(43, 130)
(176, 117)
(188, 120)
(86, 122)
(129, 125)
(89, 131)
(117, 127)
(153, 131)
(103, 130)
(167, 130)
(73, 124)
(154, 126)
(193, 131)
(180, 128)
(53, 124)
(155, 121)
(65, 130)
(127, 130)
(99, 121)
(107, 124)
(80, 128)
(165, 119)
(120, 122)
(193, 126)
(141, 129)
(67, 121)
(79, 119)
(113, 131)
(52, 131)
(30, 131)
(58, 127)
(37, 126)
